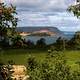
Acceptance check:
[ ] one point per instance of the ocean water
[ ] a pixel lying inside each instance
(48, 39)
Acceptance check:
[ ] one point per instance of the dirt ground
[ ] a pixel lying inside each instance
(20, 72)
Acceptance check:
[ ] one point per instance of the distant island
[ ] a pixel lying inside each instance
(38, 31)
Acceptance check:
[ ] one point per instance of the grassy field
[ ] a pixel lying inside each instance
(19, 56)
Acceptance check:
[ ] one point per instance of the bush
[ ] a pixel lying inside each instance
(60, 44)
(17, 41)
(30, 44)
(41, 43)
(74, 43)
(56, 69)
(5, 72)
(11, 62)
(31, 63)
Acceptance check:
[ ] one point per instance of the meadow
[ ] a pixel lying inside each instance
(20, 56)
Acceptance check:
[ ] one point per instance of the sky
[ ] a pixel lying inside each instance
(46, 13)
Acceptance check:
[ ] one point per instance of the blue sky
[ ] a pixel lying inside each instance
(46, 13)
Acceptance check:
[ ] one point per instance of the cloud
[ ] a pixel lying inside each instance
(46, 12)
(65, 21)
(41, 5)
(33, 19)
(77, 28)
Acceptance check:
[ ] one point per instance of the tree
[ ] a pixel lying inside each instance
(41, 43)
(74, 43)
(30, 44)
(60, 44)
(8, 21)
(75, 8)
(17, 41)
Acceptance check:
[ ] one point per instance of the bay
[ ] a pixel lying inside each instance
(48, 39)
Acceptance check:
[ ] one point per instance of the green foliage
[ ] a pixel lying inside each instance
(7, 16)
(52, 70)
(74, 43)
(8, 22)
(60, 44)
(17, 41)
(5, 72)
(75, 9)
(11, 62)
(31, 63)
(30, 44)
(41, 43)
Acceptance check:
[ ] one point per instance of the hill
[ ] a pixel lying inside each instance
(40, 30)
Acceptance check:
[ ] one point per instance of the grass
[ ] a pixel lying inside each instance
(72, 58)
(19, 56)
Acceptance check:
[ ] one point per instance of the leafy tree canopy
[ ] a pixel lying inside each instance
(75, 8)
(7, 18)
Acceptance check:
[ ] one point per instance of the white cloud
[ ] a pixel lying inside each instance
(42, 5)
(33, 19)
(46, 12)
(65, 21)
(56, 4)
(77, 28)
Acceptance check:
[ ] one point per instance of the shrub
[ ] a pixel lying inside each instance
(51, 70)
(41, 43)
(60, 44)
